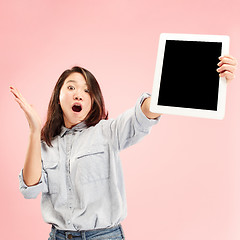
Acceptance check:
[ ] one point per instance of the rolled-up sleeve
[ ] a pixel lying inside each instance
(32, 191)
(131, 126)
(143, 121)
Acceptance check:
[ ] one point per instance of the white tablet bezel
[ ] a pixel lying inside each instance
(154, 107)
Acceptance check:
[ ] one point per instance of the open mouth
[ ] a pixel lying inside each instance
(77, 108)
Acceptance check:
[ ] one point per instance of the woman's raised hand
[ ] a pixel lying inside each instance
(32, 116)
(227, 67)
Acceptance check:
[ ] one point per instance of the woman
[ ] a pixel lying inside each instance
(74, 159)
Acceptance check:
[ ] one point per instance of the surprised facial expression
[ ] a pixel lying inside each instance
(75, 99)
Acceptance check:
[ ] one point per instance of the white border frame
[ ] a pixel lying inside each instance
(154, 107)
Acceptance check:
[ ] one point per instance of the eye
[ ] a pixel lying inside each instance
(71, 87)
(86, 90)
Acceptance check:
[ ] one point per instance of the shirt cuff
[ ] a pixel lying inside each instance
(145, 122)
(29, 191)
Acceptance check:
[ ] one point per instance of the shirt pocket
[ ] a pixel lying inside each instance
(92, 164)
(51, 168)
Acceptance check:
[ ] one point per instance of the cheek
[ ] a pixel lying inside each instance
(63, 101)
(63, 98)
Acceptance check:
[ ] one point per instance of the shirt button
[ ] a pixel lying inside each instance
(68, 222)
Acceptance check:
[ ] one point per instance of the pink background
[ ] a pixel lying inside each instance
(183, 180)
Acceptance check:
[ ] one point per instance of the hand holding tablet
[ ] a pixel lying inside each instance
(186, 80)
(227, 67)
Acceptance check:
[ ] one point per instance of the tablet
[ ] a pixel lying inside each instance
(186, 81)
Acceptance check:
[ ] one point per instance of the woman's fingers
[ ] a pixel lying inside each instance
(228, 60)
(21, 104)
(17, 94)
(227, 56)
(13, 91)
(227, 67)
(18, 99)
(228, 75)
(32, 116)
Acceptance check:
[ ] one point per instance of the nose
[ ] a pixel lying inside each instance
(77, 96)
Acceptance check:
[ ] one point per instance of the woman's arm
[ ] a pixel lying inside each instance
(145, 109)
(129, 127)
(32, 167)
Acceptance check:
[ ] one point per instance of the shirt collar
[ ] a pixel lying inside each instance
(77, 128)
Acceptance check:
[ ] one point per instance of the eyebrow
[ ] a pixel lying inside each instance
(75, 82)
(71, 81)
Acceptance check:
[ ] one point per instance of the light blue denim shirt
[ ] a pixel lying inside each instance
(82, 181)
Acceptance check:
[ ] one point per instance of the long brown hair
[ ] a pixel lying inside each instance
(54, 122)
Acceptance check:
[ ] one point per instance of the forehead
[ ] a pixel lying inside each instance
(76, 78)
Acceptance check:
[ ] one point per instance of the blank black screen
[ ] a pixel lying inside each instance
(189, 77)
